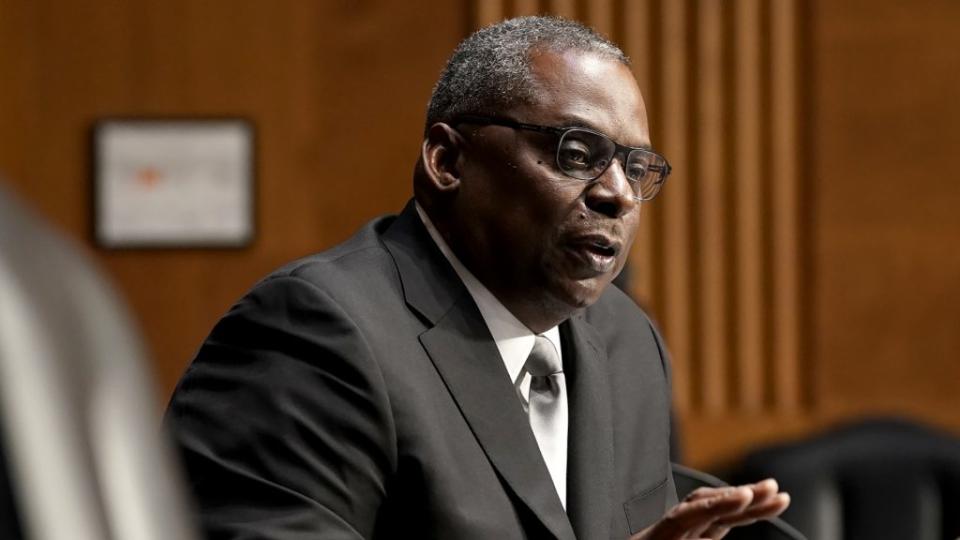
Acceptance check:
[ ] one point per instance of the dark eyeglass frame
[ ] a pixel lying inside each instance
(619, 149)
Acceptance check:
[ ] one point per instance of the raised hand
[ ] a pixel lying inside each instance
(710, 513)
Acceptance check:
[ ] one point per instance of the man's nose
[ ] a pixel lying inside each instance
(611, 193)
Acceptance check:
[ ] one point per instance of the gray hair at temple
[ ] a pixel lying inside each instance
(490, 70)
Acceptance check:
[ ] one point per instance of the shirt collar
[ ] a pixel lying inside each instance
(514, 340)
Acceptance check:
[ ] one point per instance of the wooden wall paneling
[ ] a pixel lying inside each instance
(487, 12)
(18, 102)
(747, 182)
(310, 76)
(600, 16)
(677, 306)
(711, 188)
(564, 8)
(785, 203)
(525, 7)
(885, 189)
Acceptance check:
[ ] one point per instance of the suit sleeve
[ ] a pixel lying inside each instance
(283, 421)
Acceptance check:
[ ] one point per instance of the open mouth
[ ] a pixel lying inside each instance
(596, 254)
(600, 244)
(603, 249)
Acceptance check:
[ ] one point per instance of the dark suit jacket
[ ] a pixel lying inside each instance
(357, 393)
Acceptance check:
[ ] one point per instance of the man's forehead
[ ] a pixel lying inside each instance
(576, 88)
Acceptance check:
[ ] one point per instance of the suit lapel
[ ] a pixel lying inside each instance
(430, 285)
(590, 459)
(463, 351)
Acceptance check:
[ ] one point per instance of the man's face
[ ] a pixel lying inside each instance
(538, 239)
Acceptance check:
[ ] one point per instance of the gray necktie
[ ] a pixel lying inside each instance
(547, 408)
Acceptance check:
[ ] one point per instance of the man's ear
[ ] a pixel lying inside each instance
(442, 157)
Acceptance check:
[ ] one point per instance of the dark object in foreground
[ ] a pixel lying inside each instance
(881, 479)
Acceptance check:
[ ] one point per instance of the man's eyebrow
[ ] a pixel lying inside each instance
(579, 122)
(576, 121)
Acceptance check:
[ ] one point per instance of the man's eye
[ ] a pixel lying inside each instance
(636, 172)
(575, 155)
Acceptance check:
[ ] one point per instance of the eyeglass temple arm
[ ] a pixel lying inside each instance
(493, 120)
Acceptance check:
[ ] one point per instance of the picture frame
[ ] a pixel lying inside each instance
(171, 183)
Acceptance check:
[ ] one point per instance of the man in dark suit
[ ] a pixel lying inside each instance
(463, 370)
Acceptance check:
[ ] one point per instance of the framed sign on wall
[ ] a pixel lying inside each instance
(171, 183)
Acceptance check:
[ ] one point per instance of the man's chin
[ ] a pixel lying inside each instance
(581, 293)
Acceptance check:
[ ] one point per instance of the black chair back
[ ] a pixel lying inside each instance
(879, 479)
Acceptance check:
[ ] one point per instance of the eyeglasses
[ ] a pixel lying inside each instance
(586, 154)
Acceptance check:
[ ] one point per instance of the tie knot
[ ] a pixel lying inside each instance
(543, 360)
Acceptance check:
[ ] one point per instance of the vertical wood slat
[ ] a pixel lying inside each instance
(711, 194)
(486, 12)
(749, 320)
(636, 44)
(676, 206)
(564, 8)
(525, 7)
(600, 16)
(785, 207)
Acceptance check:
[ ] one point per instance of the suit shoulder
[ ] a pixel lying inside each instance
(362, 258)
(616, 307)
(623, 323)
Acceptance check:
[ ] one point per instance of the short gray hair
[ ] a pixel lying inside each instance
(490, 70)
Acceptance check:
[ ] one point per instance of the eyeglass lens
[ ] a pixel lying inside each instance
(586, 155)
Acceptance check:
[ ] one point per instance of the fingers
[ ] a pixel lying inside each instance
(699, 512)
(703, 492)
(767, 503)
(710, 513)
(761, 491)
(771, 508)
(764, 490)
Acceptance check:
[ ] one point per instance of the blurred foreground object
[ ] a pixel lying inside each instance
(79, 421)
(880, 479)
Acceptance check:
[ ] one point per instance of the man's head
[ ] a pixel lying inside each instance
(541, 234)
(490, 70)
